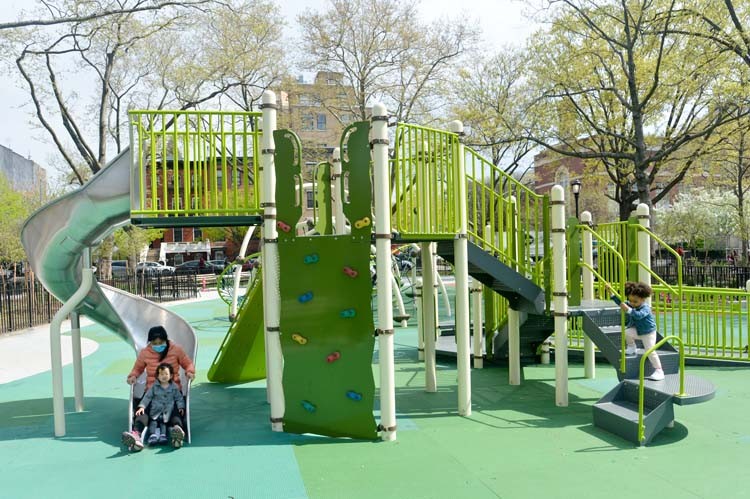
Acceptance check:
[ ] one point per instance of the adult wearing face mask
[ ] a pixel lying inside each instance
(158, 351)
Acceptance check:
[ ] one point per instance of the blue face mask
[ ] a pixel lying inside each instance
(159, 348)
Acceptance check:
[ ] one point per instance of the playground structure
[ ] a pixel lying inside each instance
(312, 302)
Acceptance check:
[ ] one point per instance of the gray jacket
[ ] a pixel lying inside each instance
(162, 400)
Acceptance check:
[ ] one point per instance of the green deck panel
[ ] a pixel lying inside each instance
(324, 221)
(242, 356)
(197, 221)
(308, 376)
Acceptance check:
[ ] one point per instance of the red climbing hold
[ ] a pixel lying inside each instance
(350, 272)
(333, 357)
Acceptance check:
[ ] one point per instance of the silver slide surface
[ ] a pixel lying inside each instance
(56, 236)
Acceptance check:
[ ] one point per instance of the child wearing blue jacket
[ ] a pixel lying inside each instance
(640, 323)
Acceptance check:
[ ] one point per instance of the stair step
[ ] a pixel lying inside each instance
(617, 412)
(697, 389)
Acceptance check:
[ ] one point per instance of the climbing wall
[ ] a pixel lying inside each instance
(326, 316)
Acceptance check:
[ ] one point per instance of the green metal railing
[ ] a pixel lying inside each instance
(641, 377)
(194, 163)
(714, 322)
(508, 219)
(424, 181)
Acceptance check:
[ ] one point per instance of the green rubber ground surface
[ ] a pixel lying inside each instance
(517, 444)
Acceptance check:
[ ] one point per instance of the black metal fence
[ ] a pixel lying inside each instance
(716, 276)
(25, 303)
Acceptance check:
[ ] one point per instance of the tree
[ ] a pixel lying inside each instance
(698, 215)
(14, 210)
(131, 241)
(731, 167)
(384, 52)
(80, 11)
(724, 23)
(490, 96)
(618, 86)
(177, 55)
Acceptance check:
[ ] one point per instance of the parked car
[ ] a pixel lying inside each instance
(219, 263)
(248, 265)
(119, 268)
(194, 266)
(153, 268)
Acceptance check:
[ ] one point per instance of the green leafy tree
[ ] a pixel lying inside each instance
(616, 84)
(14, 210)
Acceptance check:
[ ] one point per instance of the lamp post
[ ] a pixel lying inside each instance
(575, 186)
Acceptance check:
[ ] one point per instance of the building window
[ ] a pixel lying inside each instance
(308, 122)
(178, 259)
(310, 200)
(177, 235)
(197, 234)
(306, 100)
(321, 122)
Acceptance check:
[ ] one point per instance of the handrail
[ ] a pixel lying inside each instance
(642, 388)
(603, 242)
(654, 274)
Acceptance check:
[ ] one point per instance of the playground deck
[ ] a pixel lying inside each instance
(516, 444)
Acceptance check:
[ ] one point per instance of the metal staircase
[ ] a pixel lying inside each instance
(522, 294)
(618, 411)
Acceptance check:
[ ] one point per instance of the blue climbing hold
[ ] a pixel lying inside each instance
(305, 297)
(308, 406)
(348, 313)
(354, 395)
(312, 258)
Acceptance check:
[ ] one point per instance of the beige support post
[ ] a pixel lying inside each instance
(644, 244)
(271, 296)
(381, 175)
(589, 358)
(560, 295)
(461, 266)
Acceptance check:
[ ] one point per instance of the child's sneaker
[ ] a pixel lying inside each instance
(178, 435)
(132, 440)
(657, 375)
(631, 350)
(153, 439)
(163, 439)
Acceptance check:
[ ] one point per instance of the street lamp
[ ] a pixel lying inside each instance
(575, 186)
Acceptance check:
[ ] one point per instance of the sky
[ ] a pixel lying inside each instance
(502, 23)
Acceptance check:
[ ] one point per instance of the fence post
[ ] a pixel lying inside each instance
(560, 295)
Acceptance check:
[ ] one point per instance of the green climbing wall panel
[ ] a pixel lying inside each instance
(326, 315)
(242, 356)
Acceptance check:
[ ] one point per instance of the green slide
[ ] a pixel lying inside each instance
(326, 316)
(242, 356)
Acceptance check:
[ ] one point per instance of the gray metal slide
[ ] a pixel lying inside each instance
(55, 238)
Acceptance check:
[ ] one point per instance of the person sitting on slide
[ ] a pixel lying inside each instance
(161, 407)
(159, 350)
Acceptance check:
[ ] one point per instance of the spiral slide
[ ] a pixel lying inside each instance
(56, 236)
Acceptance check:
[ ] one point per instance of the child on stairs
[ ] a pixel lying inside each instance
(640, 323)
